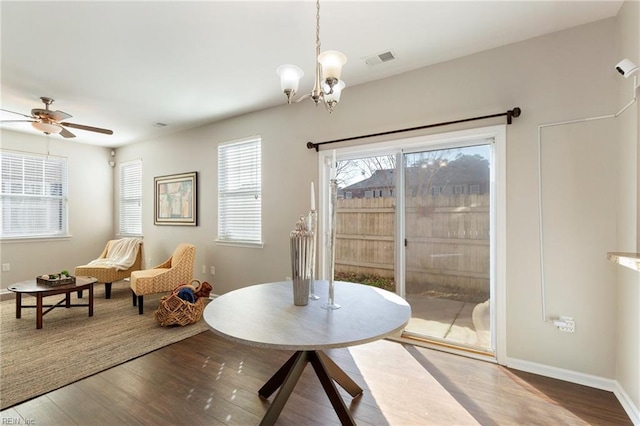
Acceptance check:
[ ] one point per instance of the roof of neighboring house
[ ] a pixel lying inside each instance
(465, 170)
(379, 179)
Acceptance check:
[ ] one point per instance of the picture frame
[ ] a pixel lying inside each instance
(176, 199)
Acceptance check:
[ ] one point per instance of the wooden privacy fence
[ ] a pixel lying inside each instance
(447, 240)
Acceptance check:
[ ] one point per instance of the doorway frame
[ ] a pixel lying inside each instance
(498, 218)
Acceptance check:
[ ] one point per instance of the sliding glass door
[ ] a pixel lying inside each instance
(447, 202)
(418, 217)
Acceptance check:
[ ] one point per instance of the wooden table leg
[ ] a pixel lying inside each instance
(301, 359)
(278, 378)
(91, 300)
(18, 305)
(341, 378)
(330, 389)
(67, 300)
(39, 311)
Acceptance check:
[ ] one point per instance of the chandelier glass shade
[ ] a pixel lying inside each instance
(328, 86)
(331, 62)
(332, 94)
(290, 76)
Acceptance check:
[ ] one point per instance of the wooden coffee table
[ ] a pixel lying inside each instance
(40, 291)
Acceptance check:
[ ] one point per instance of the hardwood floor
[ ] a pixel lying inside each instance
(208, 380)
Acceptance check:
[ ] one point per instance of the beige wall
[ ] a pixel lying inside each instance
(628, 281)
(557, 77)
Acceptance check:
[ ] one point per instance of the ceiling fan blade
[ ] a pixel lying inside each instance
(59, 115)
(89, 128)
(66, 134)
(19, 113)
(17, 121)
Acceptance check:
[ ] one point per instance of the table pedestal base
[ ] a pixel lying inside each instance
(326, 370)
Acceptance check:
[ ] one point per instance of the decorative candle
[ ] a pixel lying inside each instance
(313, 197)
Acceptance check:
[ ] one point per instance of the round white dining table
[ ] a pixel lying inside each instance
(265, 316)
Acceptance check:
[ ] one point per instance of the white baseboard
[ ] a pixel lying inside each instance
(597, 382)
(6, 294)
(562, 374)
(625, 400)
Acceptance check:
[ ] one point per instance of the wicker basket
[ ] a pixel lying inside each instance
(176, 311)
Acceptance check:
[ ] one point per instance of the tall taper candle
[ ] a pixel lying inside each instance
(313, 197)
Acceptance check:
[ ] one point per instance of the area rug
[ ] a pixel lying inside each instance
(71, 345)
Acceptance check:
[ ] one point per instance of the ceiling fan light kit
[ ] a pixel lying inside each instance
(46, 128)
(328, 86)
(50, 122)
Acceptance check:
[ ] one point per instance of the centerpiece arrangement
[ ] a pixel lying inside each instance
(303, 242)
(54, 280)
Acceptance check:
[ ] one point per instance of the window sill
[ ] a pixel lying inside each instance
(129, 236)
(35, 239)
(239, 244)
(630, 260)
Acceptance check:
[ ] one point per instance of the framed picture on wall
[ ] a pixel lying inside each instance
(176, 199)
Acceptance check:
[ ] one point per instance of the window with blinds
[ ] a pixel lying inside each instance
(34, 195)
(240, 192)
(130, 217)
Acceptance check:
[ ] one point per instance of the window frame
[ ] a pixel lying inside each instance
(229, 229)
(125, 196)
(48, 178)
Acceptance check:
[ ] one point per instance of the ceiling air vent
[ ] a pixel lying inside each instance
(380, 58)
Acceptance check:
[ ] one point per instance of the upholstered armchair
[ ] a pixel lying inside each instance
(177, 270)
(107, 272)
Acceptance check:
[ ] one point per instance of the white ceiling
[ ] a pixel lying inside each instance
(127, 65)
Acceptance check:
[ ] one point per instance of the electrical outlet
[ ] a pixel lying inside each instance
(204, 269)
(213, 270)
(6, 267)
(566, 324)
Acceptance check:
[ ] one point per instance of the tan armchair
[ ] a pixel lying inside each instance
(109, 274)
(178, 269)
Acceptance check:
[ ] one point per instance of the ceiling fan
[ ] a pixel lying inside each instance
(48, 121)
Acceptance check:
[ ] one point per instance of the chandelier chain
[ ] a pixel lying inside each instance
(316, 93)
(317, 28)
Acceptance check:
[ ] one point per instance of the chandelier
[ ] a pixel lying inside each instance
(328, 86)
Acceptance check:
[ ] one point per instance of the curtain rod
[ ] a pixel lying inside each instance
(510, 115)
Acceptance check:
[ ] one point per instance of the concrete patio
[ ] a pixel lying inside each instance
(449, 321)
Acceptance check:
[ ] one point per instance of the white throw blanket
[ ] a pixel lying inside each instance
(121, 254)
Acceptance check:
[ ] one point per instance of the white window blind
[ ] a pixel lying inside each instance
(240, 192)
(131, 198)
(34, 195)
